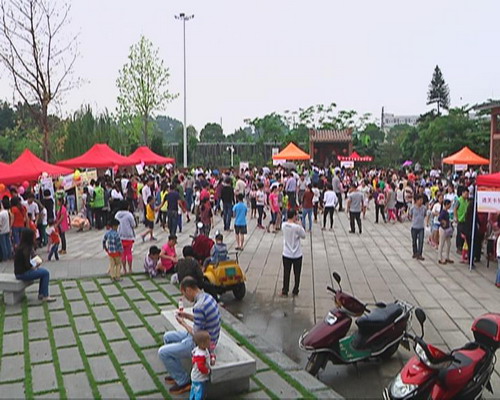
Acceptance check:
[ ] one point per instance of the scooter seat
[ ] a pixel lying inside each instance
(379, 317)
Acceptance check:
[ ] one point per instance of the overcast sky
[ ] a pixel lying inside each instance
(247, 59)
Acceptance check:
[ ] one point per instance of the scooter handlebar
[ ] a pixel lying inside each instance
(329, 288)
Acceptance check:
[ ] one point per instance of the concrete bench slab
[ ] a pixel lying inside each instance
(12, 288)
(233, 367)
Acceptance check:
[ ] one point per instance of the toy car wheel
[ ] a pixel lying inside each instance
(240, 291)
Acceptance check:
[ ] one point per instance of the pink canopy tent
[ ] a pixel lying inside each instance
(145, 155)
(29, 167)
(100, 155)
(492, 180)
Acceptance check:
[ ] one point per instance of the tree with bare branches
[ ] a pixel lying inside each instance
(39, 53)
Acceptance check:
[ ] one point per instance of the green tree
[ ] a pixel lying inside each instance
(142, 84)
(212, 133)
(157, 144)
(167, 125)
(439, 92)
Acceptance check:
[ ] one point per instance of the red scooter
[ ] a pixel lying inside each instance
(461, 374)
(379, 333)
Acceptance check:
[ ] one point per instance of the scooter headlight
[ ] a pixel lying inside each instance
(399, 389)
(330, 319)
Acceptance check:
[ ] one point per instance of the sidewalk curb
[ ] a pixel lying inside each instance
(288, 369)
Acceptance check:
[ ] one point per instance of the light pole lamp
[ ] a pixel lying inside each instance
(183, 17)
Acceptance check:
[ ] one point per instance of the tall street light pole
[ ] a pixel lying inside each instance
(183, 17)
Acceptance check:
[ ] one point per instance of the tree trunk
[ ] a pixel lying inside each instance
(46, 133)
(145, 130)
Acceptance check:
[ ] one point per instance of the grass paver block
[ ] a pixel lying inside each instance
(12, 391)
(44, 377)
(88, 286)
(35, 312)
(159, 298)
(92, 344)
(64, 337)
(112, 330)
(12, 368)
(260, 395)
(127, 283)
(148, 286)
(110, 290)
(134, 293)
(113, 391)
(119, 303)
(69, 284)
(95, 298)
(13, 343)
(40, 351)
(153, 360)
(124, 352)
(272, 381)
(38, 330)
(170, 289)
(77, 386)
(69, 359)
(59, 318)
(157, 322)
(13, 324)
(142, 337)
(13, 309)
(85, 324)
(79, 308)
(103, 313)
(130, 318)
(138, 378)
(102, 368)
(73, 294)
(145, 307)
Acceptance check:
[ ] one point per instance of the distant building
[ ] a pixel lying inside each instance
(390, 120)
(326, 145)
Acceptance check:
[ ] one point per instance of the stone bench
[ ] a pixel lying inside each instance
(233, 367)
(12, 288)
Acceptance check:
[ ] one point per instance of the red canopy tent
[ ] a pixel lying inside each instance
(466, 156)
(492, 180)
(29, 167)
(355, 157)
(292, 152)
(100, 155)
(145, 155)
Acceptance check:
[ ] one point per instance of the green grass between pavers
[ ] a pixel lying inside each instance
(55, 356)
(81, 350)
(264, 388)
(28, 379)
(103, 337)
(49, 391)
(134, 345)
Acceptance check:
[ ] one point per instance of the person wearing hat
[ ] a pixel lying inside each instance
(112, 245)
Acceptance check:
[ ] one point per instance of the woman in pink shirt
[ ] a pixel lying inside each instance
(62, 223)
(275, 208)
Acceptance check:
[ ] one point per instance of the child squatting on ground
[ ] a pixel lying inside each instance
(201, 365)
(152, 261)
(112, 245)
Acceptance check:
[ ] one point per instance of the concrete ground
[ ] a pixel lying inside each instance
(375, 265)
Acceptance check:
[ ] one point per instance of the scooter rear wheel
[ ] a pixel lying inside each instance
(315, 363)
(239, 291)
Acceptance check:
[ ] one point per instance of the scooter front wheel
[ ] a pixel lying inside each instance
(316, 362)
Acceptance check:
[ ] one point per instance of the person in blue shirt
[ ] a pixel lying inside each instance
(240, 221)
(218, 253)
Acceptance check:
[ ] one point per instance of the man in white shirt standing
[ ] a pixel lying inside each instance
(293, 232)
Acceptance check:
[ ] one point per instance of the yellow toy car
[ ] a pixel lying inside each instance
(226, 276)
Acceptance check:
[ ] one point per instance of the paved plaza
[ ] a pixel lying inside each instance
(103, 337)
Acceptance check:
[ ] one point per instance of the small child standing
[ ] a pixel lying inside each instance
(151, 262)
(112, 244)
(150, 219)
(201, 366)
(54, 240)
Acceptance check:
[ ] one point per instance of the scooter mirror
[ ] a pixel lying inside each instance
(420, 314)
(336, 276)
